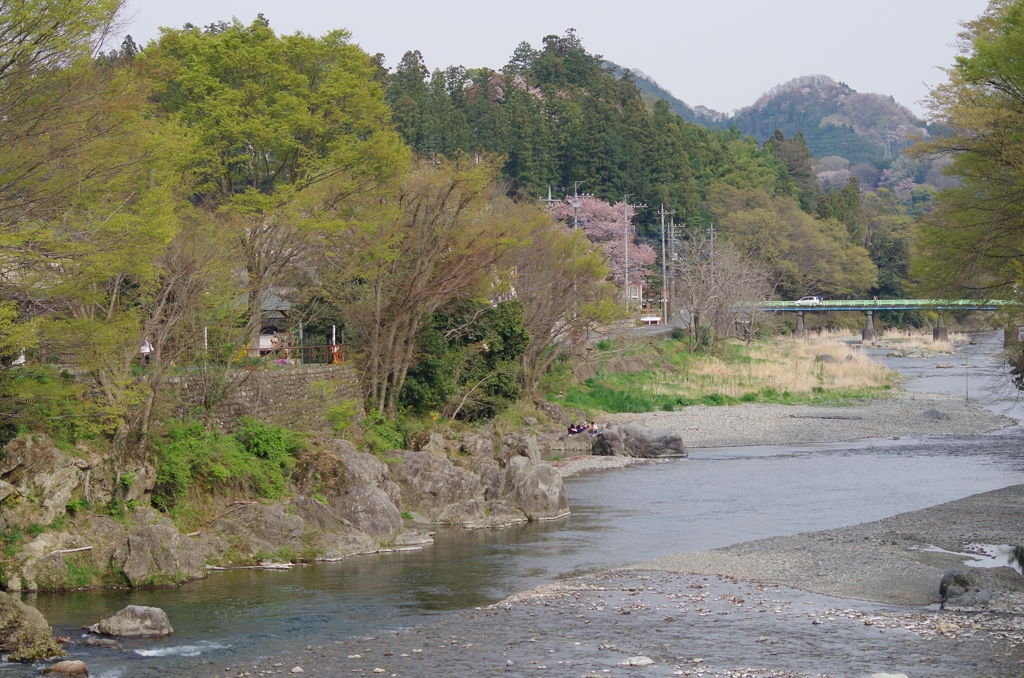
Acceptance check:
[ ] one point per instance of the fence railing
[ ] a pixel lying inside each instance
(328, 354)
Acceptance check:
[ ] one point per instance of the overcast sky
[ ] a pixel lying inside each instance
(719, 53)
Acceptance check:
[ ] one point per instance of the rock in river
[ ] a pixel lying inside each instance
(135, 621)
(24, 632)
(70, 669)
(637, 440)
(535, 489)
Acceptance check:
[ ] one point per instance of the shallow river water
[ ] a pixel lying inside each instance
(714, 498)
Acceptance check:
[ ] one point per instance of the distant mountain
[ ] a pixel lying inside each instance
(835, 119)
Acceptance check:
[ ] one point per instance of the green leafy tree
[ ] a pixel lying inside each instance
(270, 118)
(971, 242)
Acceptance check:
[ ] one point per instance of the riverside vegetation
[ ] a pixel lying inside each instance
(665, 375)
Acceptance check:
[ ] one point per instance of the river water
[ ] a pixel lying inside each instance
(714, 498)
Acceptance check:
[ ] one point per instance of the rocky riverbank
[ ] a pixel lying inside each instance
(755, 610)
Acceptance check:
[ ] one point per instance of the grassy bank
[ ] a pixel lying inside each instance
(768, 371)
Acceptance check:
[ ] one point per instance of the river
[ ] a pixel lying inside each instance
(714, 498)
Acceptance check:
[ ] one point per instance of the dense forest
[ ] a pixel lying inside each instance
(559, 117)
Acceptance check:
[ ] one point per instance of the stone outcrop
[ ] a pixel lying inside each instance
(477, 444)
(135, 621)
(370, 510)
(42, 475)
(329, 535)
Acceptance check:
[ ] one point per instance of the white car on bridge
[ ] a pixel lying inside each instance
(809, 301)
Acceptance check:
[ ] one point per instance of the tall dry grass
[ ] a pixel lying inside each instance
(782, 365)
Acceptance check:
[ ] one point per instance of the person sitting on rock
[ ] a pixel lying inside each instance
(593, 428)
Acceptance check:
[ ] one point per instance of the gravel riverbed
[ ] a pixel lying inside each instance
(755, 424)
(849, 602)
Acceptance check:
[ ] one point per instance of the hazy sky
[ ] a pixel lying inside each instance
(719, 53)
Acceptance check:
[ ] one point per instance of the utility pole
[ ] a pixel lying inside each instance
(664, 268)
(625, 239)
(575, 204)
(672, 249)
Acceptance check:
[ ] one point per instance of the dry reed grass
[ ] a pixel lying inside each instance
(782, 365)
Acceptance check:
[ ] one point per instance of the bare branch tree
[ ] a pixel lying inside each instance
(716, 287)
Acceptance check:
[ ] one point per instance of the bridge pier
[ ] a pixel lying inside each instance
(939, 333)
(801, 331)
(1012, 336)
(869, 333)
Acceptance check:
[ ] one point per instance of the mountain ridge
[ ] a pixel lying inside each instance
(835, 119)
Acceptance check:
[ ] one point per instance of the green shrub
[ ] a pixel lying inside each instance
(604, 345)
(340, 416)
(76, 506)
(382, 433)
(255, 460)
(748, 398)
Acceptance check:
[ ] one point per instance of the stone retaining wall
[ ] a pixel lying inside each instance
(295, 397)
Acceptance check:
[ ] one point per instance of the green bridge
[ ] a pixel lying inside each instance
(883, 305)
(869, 306)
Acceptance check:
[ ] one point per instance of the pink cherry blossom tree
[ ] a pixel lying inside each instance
(604, 225)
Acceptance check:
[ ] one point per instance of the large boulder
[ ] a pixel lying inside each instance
(431, 483)
(475, 514)
(535, 489)
(645, 441)
(608, 443)
(518, 444)
(135, 621)
(24, 632)
(42, 474)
